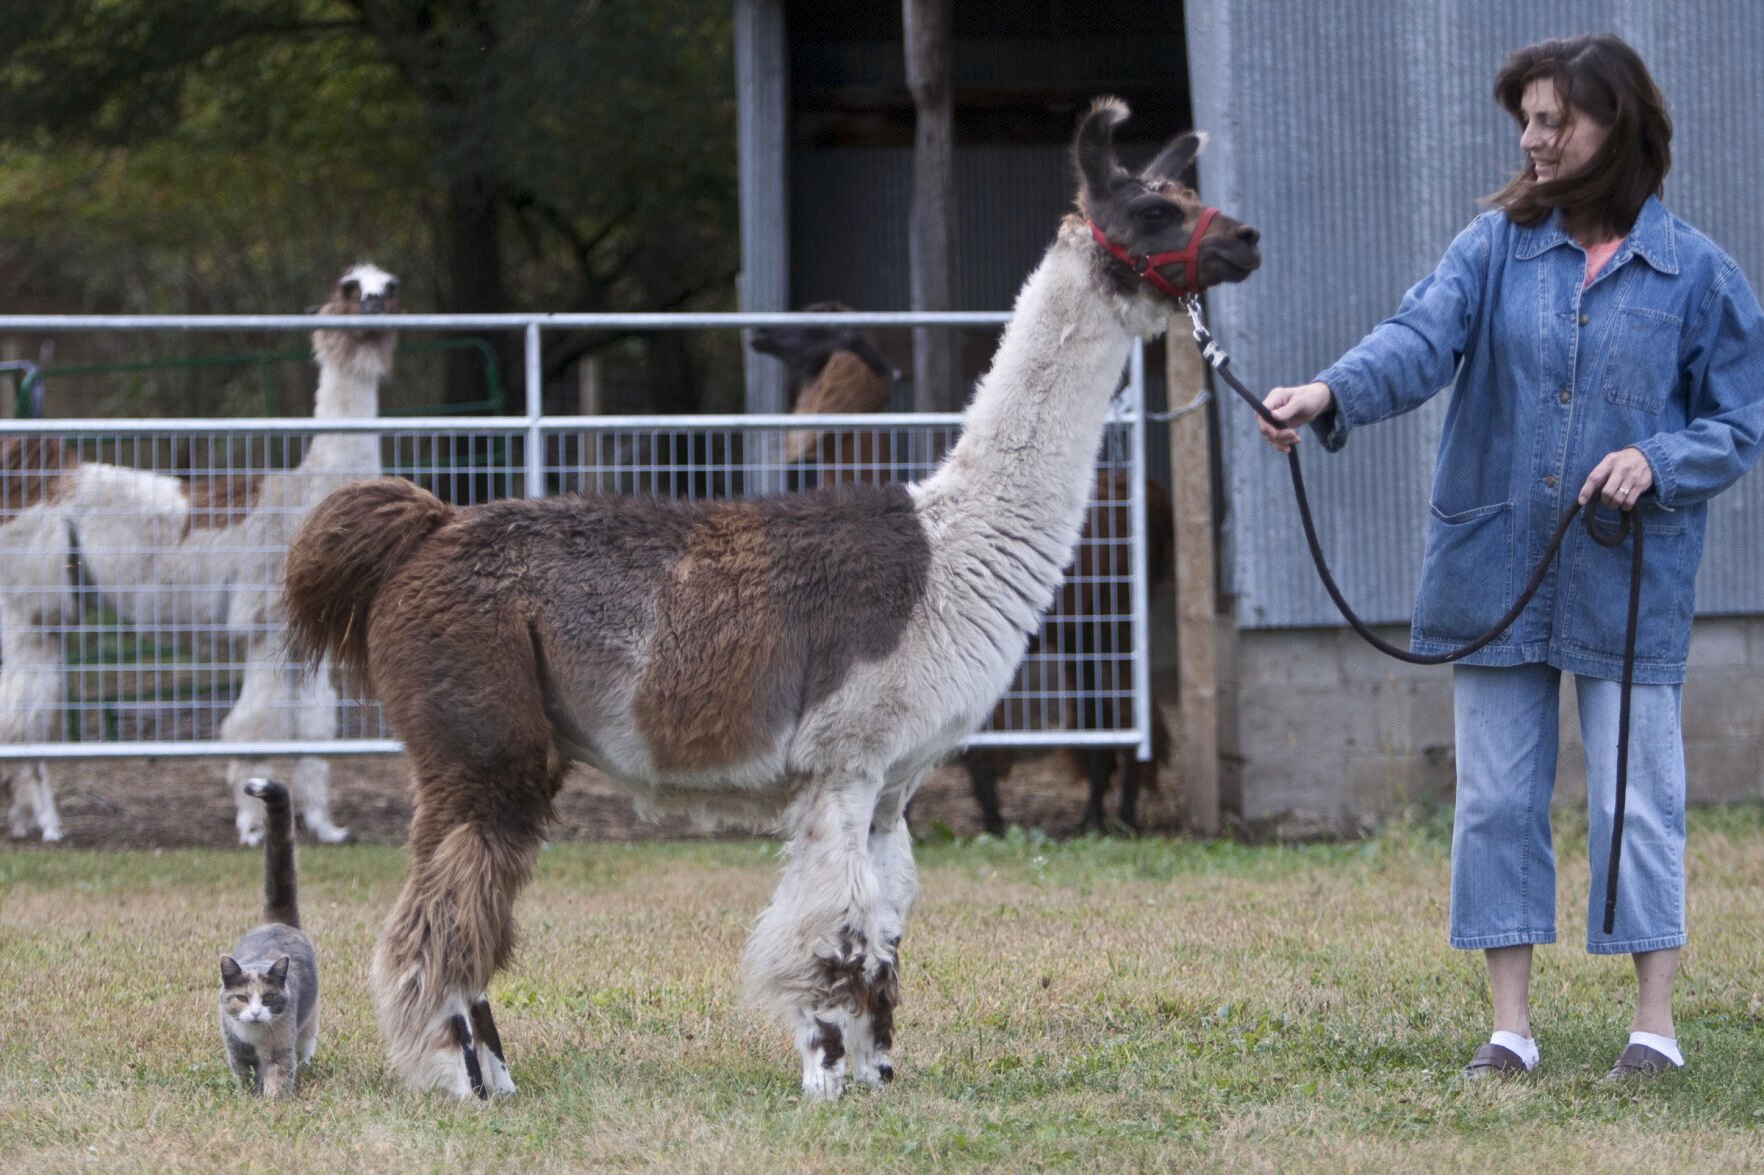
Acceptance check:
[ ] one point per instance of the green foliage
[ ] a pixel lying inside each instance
(234, 156)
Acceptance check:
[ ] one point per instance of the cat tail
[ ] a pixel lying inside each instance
(349, 548)
(281, 898)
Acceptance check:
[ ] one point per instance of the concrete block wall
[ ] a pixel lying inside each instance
(1322, 735)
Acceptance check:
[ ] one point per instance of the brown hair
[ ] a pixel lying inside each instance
(1599, 77)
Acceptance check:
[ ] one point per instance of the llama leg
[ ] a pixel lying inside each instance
(983, 776)
(473, 842)
(808, 959)
(1098, 767)
(35, 778)
(253, 718)
(33, 801)
(870, 1039)
(312, 786)
(31, 703)
(1129, 808)
(315, 709)
(249, 813)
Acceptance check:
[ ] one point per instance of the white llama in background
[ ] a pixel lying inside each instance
(182, 557)
(803, 660)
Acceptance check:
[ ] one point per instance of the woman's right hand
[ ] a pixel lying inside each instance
(1294, 408)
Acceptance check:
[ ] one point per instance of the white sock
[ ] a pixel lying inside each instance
(1524, 1046)
(1660, 1044)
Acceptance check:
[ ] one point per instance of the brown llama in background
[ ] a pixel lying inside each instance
(832, 370)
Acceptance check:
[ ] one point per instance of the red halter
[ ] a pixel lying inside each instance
(1147, 267)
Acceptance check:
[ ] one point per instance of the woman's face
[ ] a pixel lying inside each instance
(1558, 139)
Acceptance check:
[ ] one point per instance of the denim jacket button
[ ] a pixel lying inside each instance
(1565, 396)
(1584, 320)
(1550, 481)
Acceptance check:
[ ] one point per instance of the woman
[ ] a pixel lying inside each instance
(1603, 348)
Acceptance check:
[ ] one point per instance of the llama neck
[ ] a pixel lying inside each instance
(346, 392)
(1024, 466)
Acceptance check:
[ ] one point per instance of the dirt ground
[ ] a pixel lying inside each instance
(185, 803)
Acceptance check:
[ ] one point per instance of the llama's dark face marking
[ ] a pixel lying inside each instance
(766, 610)
(1153, 211)
(806, 349)
(32, 470)
(363, 289)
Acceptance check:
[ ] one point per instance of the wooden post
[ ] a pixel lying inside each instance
(931, 235)
(1191, 495)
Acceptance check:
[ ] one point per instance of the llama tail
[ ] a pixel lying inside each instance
(345, 552)
(281, 897)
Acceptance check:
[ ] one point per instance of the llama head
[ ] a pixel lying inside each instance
(1154, 212)
(364, 288)
(806, 349)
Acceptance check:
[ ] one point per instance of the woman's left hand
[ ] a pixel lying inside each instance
(1619, 480)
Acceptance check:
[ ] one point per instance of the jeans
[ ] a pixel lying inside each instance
(1503, 859)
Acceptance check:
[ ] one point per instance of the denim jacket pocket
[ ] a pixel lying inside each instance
(1598, 592)
(1467, 574)
(1641, 366)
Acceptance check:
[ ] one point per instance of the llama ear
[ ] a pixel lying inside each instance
(1176, 157)
(231, 973)
(1093, 150)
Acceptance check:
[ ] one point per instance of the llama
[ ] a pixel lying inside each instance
(838, 369)
(198, 555)
(1093, 635)
(803, 660)
(832, 370)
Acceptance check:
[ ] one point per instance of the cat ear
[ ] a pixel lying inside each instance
(231, 972)
(278, 970)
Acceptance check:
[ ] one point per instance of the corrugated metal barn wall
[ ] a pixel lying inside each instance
(1358, 136)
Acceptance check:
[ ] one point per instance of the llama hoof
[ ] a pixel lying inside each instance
(448, 1069)
(874, 1074)
(52, 833)
(327, 833)
(498, 1082)
(497, 1079)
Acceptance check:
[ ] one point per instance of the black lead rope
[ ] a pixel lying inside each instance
(1627, 522)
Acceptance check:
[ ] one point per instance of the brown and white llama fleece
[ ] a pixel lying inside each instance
(183, 556)
(804, 660)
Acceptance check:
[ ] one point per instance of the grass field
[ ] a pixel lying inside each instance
(1103, 1005)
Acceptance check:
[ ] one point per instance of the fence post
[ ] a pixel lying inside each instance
(1191, 494)
(535, 411)
(1138, 587)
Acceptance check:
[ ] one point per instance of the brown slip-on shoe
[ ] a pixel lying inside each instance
(1638, 1060)
(1494, 1060)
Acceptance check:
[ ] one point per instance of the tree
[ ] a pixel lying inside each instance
(552, 154)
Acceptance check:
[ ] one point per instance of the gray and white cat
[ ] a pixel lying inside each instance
(269, 984)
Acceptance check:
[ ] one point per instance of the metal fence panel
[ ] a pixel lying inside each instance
(151, 649)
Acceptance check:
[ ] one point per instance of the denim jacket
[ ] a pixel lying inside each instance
(1664, 351)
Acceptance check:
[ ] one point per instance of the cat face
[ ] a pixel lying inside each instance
(253, 995)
